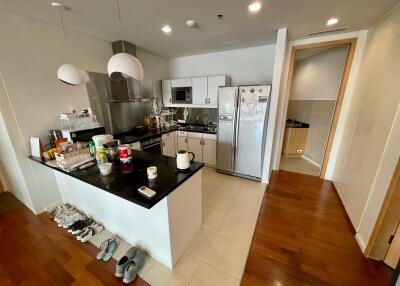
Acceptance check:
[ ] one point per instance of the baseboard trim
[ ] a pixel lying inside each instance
(311, 161)
(360, 242)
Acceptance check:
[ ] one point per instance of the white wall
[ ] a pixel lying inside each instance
(31, 51)
(154, 66)
(318, 77)
(11, 174)
(244, 66)
(373, 146)
(279, 64)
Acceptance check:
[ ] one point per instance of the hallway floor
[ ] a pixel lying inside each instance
(298, 165)
(304, 237)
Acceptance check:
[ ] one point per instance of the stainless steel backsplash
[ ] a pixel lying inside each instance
(119, 117)
(199, 115)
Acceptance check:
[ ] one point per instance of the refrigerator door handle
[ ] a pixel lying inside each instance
(236, 127)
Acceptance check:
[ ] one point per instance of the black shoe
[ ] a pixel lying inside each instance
(80, 225)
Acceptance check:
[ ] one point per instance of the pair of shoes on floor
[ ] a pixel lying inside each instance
(130, 264)
(62, 210)
(107, 249)
(58, 210)
(70, 218)
(89, 231)
(79, 225)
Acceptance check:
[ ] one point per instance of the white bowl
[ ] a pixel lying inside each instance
(105, 169)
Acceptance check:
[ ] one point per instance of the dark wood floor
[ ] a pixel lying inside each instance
(303, 237)
(34, 251)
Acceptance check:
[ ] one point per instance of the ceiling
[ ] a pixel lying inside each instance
(143, 19)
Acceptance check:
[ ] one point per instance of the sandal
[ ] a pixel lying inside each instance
(103, 249)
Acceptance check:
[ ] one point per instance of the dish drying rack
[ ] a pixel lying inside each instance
(168, 116)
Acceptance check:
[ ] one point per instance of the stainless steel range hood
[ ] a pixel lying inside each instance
(121, 105)
(129, 89)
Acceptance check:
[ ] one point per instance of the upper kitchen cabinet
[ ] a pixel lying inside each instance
(166, 91)
(214, 82)
(204, 91)
(199, 91)
(181, 82)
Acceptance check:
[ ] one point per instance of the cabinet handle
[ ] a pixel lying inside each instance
(163, 143)
(205, 100)
(170, 100)
(186, 140)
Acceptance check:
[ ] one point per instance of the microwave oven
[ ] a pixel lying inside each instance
(182, 95)
(84, 135)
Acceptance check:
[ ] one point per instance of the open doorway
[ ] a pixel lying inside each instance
(384, 243)
(317, 80)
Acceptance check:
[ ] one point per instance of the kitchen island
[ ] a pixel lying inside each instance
(163, 225)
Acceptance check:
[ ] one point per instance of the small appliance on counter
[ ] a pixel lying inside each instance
(100, 140)
(183, 161)
(84, 135)
(79, 127)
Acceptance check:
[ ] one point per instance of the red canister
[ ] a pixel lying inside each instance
(125, 153)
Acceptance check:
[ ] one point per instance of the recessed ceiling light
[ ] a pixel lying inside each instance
(191, 23)
(56, 4)
(254, 7)
(332, 21)
(166, 29)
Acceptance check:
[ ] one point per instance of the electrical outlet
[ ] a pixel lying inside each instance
(299, 151)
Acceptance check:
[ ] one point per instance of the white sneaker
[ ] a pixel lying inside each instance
(70, 220)
(93, 230)
(65, 209)
(63, 219)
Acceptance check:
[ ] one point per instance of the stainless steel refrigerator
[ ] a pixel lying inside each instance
(242, 128)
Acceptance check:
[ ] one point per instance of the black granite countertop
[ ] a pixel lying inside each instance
(132, 137)
(296, 124)
(126, 179)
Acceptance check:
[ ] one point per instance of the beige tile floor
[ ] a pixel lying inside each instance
(217, 254)
(298, 165)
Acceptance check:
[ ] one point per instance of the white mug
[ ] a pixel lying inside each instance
(182, 159)
(152, 172)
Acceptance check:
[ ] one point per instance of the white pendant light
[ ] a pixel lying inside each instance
(123, 63)
(126, 65)
(68, 73)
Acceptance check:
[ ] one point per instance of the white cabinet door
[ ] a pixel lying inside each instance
(166, 92)
(168, 147)
(194, 145)
(210, 152)
(199, 90)
(182, 82)
(214, 82)
(182, 143)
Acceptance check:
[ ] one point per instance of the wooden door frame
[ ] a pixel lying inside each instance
(382, 213)
(351, 43)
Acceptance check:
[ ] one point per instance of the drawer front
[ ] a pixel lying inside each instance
(207, 136)
(182, 133)
(195, 135)
(167, 135)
